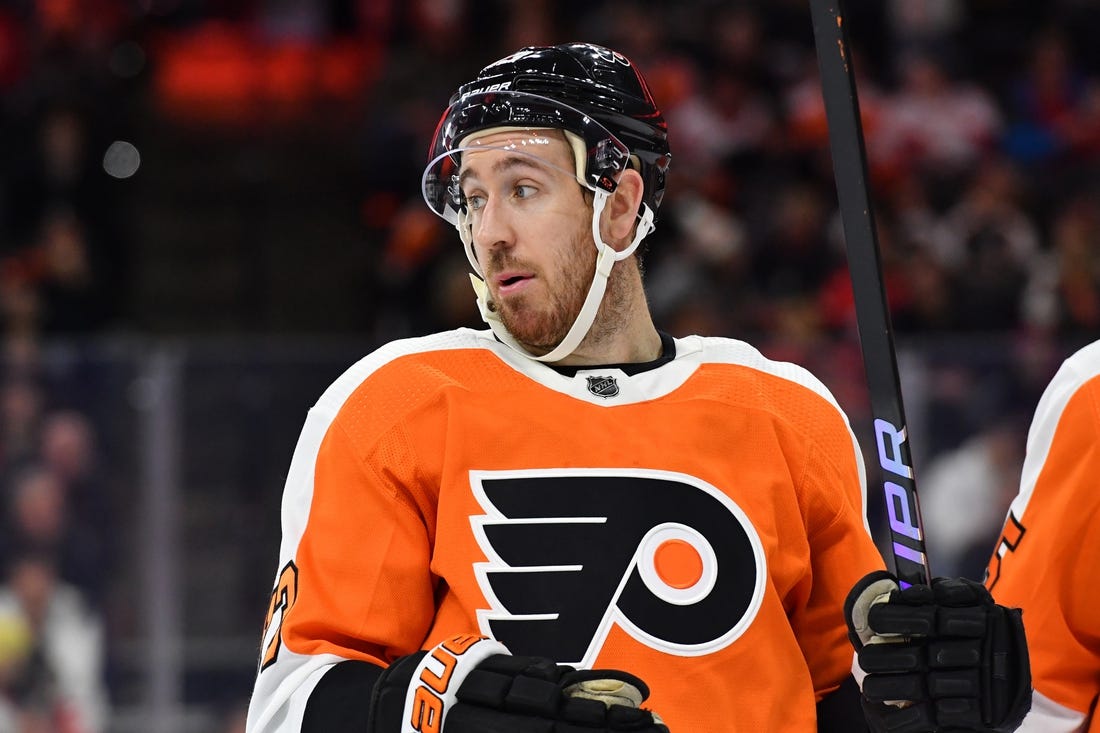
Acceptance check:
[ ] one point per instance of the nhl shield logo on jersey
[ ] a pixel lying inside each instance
(605, 387)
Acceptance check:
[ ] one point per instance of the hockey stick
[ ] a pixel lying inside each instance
(872, 314)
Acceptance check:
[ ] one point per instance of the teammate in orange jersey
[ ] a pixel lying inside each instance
(572, 519)
(1050, 550)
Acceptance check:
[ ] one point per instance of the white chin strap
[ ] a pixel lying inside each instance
(606, 257)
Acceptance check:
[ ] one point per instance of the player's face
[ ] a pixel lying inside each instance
(531, 227)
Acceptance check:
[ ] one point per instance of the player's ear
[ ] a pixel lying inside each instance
(621, 212)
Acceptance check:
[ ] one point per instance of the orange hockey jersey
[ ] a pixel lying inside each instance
(697, 523)
(1048, 555)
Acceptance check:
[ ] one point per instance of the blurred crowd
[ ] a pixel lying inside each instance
(60, 260)
(981, 123)
(982, 129)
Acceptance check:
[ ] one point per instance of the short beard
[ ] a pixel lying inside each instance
(540, 329)
(539, 332)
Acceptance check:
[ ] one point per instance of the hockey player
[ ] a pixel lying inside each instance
(572, 519)
(1049, 550)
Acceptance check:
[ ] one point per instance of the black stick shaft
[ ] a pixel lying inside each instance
(872, 314)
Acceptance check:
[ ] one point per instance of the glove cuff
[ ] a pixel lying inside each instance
(422, 686)
(437, 677)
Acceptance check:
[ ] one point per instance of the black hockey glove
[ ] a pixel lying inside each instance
(470, 684)
(939, 658)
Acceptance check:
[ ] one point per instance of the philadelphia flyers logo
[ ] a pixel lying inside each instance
(571, 553)
(609, 56)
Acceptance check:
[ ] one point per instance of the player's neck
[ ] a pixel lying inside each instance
(636, 347)
(622, 334)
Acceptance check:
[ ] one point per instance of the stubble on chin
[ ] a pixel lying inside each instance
(537, 330)
(540, 320)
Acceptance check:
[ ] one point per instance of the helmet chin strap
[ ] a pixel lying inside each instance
(606, 257)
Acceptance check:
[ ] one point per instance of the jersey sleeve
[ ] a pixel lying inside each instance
(354, 580)
(832, 544)
(841, 552)
(1046, 560)
(826, 466)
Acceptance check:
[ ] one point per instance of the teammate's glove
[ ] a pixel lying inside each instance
(939, 658)
(470, 684)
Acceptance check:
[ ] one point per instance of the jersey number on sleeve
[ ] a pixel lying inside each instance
(282, 599)
(1010, 539)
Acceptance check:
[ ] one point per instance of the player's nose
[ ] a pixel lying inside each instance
(495, 226)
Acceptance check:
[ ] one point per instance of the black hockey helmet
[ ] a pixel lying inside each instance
(589, 90)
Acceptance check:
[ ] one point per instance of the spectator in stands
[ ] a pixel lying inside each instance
(724, 118)
(937, 123)
(1054, 108)
(965, 492)
(59, 685)
(792, 262)
(71, 285)
(20, 306)
(53, 168)
(16, 646)
(707, 265)
(67, 447)
(806, 130)
(41, 517)
(989, 242)
(924, 26)
(1063, 293)
(20, 412)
